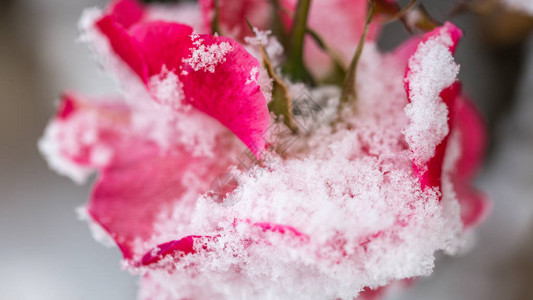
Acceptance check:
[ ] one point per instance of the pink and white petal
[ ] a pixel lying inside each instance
(139, 178)
(221, 81)
(162, 44)
(122, 45)
(475, 205)
(194, 243)
(429, 82)
(87, 131)
(233, 98)
(472, 140)
(430, 173)
(128, 198)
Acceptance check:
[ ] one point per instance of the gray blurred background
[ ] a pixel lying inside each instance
(47, 253)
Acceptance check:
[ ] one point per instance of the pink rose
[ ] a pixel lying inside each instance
(360, 199)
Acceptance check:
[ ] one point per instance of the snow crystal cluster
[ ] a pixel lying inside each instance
(349, 211)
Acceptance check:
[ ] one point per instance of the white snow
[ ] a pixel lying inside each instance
(432, 70)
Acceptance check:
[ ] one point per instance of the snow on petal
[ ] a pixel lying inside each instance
(231, 98)
(159, 49)
(139, 179)
(430, 72)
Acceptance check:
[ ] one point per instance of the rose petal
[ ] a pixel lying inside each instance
(186, 245)
(234, 97)
(126, 12)
(474, 204)
(138, 178)
(473, 137)
(430, 83)
(123, 45)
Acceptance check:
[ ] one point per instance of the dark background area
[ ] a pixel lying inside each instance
(47, 253)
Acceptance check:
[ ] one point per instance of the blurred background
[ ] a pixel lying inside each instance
(47, 253)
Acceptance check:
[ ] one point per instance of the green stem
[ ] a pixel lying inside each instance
(295, 67)
(349, 92)
(215, 28)
(281, 103)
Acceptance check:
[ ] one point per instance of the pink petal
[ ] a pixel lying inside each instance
(124, 45)
(126, 12)
(89, 130)
(233, 96)
(162, 44)
(429, 171)
(474, 204)
(430, 174)
(175, 248)
(138, 180)
(473, 137)
(128, 197)
(186, 245)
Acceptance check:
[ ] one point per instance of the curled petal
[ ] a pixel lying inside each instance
(213, 74)
(473, 138)
(475, 206)
(430, 83)
(471, 129)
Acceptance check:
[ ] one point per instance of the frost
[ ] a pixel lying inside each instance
(260, 38)
(207, 57)
(50, 148)
(253, 76)
(167, 89)
(432, 70)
